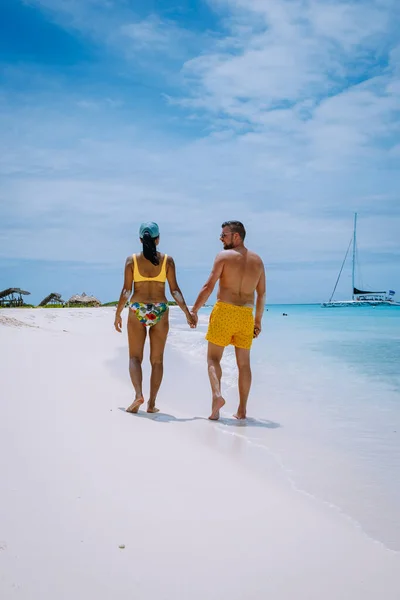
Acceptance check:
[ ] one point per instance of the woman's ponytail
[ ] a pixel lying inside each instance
(150, 249)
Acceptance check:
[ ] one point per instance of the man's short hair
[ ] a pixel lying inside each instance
(235, 227)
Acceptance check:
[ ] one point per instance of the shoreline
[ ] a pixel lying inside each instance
(331, 444)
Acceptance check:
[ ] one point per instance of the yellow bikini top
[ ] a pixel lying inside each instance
(161, 277)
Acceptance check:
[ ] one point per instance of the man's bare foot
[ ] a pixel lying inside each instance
(217, 404)
(134, 407)
(241, 415)
(151, 407)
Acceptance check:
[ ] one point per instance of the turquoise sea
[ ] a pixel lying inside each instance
(324, 406)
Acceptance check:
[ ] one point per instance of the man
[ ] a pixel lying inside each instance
(241, 275)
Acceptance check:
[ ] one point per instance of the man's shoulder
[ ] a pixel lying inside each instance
(231, 252)
(223, 255)
(254, 255)
(226, 257)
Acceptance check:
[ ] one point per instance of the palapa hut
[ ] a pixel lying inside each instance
(83, 300)
(52, 298)
(12, 297)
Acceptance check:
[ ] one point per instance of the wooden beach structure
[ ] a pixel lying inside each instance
(12, 297)
(52, 298)
(83, 300)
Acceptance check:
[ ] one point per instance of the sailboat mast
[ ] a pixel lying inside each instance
(354, 254)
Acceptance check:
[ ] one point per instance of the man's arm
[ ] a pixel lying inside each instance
(125, 293)
(260, 302)
(209, 285)
(176, 292)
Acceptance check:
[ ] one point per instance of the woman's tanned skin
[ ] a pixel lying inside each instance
(148, 292)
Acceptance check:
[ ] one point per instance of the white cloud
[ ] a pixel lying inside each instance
(153, 33)
(303, 50)
(308, 79)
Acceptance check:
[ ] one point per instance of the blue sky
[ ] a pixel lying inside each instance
(283, 114)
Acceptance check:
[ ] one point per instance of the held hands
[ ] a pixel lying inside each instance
(192, 320)
(118, 323)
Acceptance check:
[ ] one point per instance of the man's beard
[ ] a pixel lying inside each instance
(228, 246)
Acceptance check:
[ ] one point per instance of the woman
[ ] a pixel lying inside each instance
(148, 310)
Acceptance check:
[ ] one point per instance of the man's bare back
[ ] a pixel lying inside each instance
(240, 275)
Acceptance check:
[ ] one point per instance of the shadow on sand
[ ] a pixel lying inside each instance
(249, 422)
(161, 417)
(167, 418)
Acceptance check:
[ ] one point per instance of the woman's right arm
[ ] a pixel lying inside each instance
(125, 293)
(176, 292)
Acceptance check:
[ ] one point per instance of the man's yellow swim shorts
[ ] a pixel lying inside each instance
(230, 324)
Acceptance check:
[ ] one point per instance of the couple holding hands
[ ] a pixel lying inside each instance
(241, 277)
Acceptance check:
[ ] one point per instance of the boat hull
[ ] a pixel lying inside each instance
(358, 303)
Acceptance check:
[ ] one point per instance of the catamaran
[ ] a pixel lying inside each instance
(359, 297)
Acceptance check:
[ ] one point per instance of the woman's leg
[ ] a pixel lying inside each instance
(136, 338)
(158, 336)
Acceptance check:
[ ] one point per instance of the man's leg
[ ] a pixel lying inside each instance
(136, 338)
(243, 363)
(158, 336)
(214, 356)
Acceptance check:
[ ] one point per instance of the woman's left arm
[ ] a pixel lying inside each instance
(125, 293)
(176, 292)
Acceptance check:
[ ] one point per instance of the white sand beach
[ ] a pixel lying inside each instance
(98, 503)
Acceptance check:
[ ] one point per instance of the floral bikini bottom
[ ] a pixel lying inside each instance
(148, 314)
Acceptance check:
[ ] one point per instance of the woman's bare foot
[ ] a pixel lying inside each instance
(134, 407)
(151, 407)
(217, 404)
(241, 414)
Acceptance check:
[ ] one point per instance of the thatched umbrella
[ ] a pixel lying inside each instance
(52, 298)
(84, 299)
(7, 297)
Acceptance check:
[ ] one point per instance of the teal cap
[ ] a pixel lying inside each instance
(151, 228)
